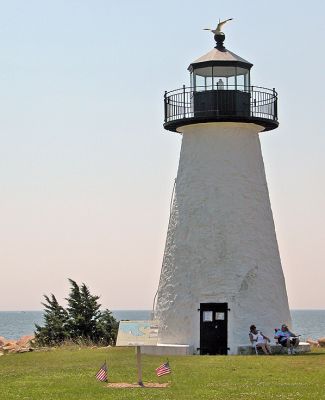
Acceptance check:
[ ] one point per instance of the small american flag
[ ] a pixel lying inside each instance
(164, 369)
(102, 373)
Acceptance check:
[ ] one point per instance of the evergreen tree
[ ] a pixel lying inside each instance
(83, 310)
(55, 318)
(106, 329)
(82, 320)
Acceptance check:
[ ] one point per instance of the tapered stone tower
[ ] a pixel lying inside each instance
(221, 270)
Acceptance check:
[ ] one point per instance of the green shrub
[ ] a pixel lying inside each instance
(81, 322)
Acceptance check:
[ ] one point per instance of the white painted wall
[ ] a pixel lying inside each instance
(221, 244)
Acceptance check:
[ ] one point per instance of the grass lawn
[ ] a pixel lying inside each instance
(69, 374)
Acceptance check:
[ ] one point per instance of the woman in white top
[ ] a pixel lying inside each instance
(259, 340)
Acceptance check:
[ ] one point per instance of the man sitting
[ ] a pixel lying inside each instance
(287, 339)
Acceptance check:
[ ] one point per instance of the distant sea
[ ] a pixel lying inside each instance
(14, 324)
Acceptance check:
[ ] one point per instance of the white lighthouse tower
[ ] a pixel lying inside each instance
(221, 270)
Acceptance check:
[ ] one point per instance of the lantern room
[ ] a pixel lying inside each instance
(211, 73)
(220, 91)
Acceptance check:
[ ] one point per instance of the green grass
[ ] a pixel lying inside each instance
(69, 374)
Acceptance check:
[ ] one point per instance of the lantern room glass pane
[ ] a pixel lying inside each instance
(240, 82)
(199, 82)
(220, 83)
(224, 71)
(243, 82)
(204, 71)
(208, 81)
(231, 82)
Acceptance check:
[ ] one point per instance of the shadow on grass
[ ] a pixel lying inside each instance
(314, 353)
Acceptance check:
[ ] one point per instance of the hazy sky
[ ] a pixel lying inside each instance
(86, 168)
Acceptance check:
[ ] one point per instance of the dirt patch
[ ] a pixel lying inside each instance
(124, 385)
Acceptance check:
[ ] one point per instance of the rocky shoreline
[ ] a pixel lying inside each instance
(22, 345)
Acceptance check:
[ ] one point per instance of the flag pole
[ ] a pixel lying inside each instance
(139, 366)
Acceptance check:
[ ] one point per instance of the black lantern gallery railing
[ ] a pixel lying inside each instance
(211, 104)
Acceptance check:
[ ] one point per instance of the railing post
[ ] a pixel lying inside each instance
(165, 105)
(275, 116)
(184, 100)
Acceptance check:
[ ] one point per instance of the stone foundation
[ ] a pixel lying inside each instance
(303, 347)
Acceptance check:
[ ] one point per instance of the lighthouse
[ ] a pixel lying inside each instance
(221, 269)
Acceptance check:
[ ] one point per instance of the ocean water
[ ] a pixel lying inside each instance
(14, 324)
(308, 323)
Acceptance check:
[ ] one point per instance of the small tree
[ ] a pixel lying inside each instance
(106, 329)
(56, 319)
(83, 310)
(82, 320)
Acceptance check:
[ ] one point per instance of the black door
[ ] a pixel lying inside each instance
(213, 328)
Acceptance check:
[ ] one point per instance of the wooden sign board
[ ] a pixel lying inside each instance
(137, 333)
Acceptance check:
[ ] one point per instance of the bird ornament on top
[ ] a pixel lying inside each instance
(219, 36)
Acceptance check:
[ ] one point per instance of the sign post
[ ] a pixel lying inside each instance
(139, 366)
(137, 334)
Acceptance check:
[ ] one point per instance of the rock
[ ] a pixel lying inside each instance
(13, 350)
(22, 345)
(312, 342)
(10, 347)
(24, 350)
(25, 341)
(321, 342)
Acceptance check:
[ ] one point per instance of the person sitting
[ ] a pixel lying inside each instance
(287, 339)
(258, 340)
